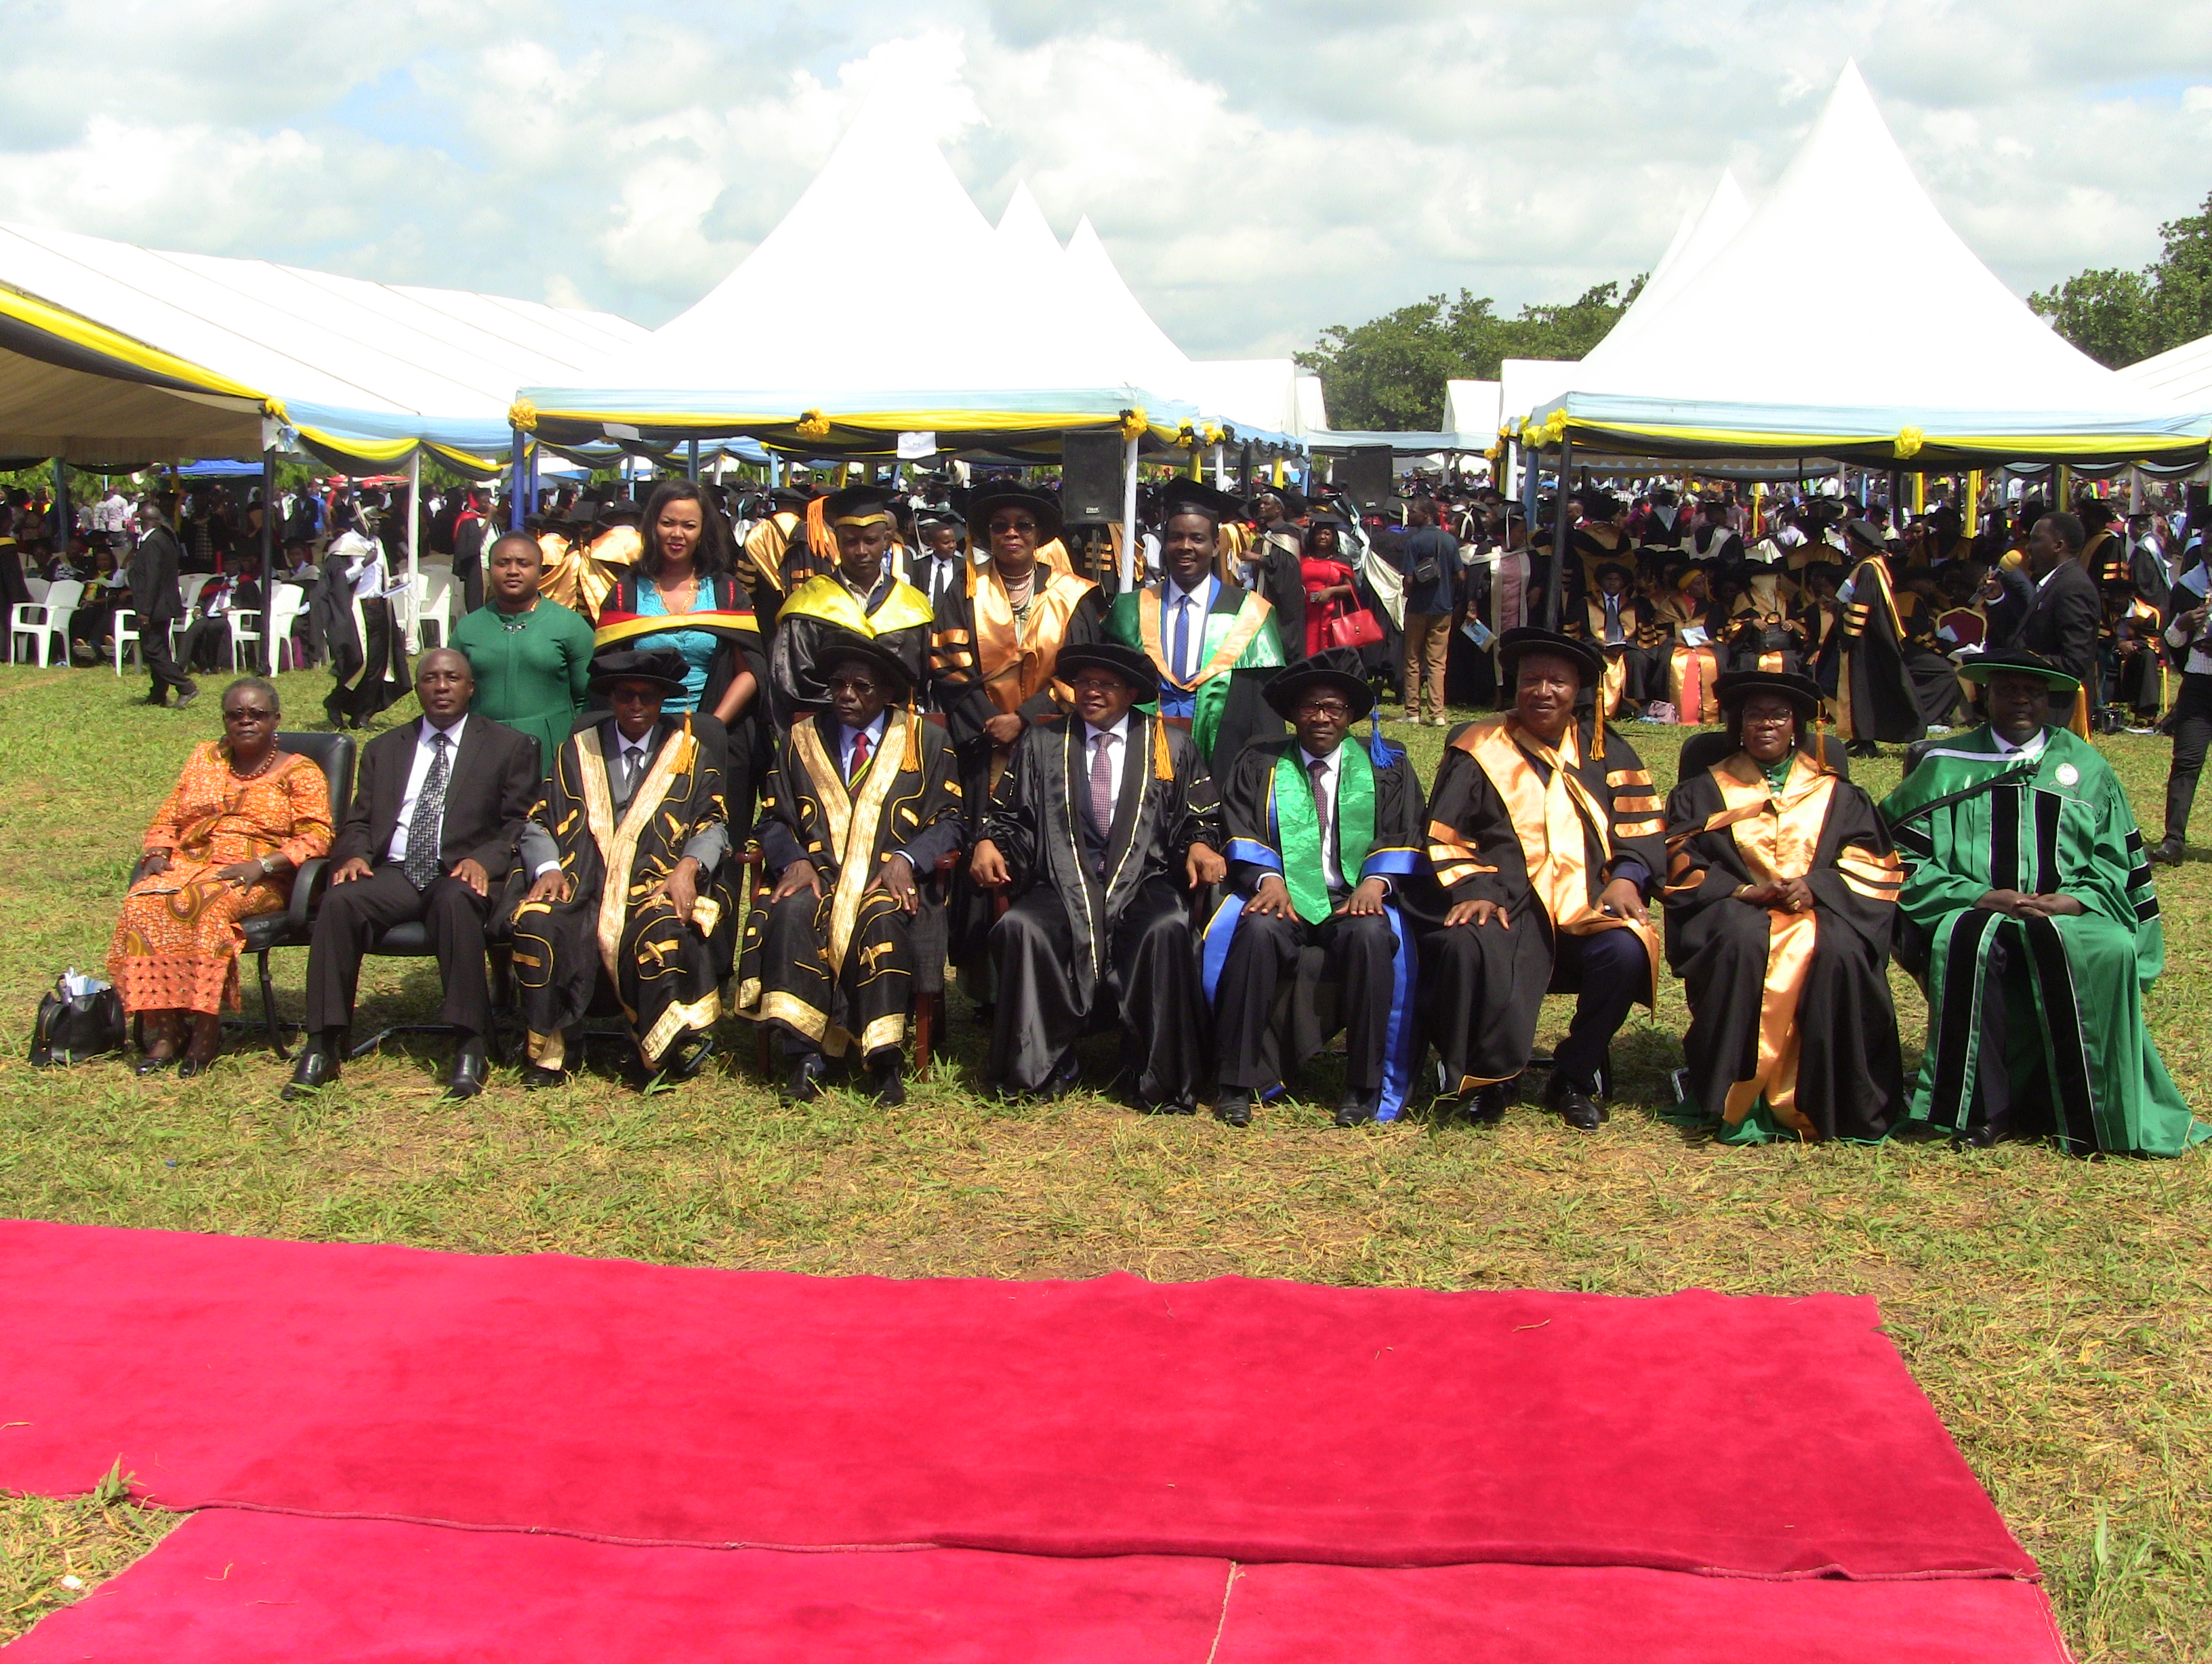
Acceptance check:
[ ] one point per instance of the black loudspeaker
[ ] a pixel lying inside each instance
(1091, 477)
(1365, 473)
(2196, 496)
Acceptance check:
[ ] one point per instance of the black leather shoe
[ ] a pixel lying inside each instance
(153, 1065)
(535, 1079)
(1356, 1108)
(886, 1079)
(470, 1069)
(189, 1066)
(1066, 1076)
(1983, 1137)
(317, 1067)
(2169, 851)
(803, 1084)
(1578, 1109)
(190, 692)
(1233, 1108)
(1487, 1106)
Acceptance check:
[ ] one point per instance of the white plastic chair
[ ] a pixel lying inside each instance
(189, 586)
(435, 605)
(38, 587)
(46, 623)
(288, 603)
(119, 624)
(245, 627)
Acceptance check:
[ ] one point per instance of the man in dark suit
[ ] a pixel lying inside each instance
(437, 810)
(155, 598)
(2062, 628)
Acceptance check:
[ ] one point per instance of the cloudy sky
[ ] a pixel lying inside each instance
(1257, 170)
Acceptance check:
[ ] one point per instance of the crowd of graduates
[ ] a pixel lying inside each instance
(928, 729)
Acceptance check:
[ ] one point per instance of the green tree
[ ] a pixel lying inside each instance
(2119, 317)
(1388, 374)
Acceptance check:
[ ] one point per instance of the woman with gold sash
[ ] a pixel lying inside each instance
(993, 652)
(1692, 664)
(1781, 891)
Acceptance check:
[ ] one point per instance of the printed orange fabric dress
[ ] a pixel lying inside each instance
(177, 946)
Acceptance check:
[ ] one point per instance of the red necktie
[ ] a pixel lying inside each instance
(860, 755)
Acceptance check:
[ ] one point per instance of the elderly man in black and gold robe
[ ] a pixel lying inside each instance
(1544, 830)
(1781, 895)
(624, 854)
(864, 596)
(1101, 827)
(863, 803)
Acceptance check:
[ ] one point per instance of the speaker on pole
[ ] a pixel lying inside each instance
(1366, 476)
(1091, 477)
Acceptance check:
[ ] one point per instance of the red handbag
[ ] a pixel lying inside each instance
(1355, 628)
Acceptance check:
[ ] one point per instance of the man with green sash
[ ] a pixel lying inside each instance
(2025, 874)
(1213, 643)
(1321, 836)
(864, 596)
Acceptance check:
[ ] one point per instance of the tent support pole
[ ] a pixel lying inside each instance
(514, 487)
(1129, 514)
(62, 521)
(265, 652)
(691, 462)
(1558, 535)
(415, 551)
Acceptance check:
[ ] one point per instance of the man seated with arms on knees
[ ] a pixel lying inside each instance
(863, 803)
(1544, 830)
(1101, 825)
(863, 597)
(438, 805)
(1320, 833)
(624, 854)
(1781, 894)
(2025, 874)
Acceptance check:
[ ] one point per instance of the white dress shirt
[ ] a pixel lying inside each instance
(419, 771)
(1201, 602)
(1117, 736)
(1332, 767)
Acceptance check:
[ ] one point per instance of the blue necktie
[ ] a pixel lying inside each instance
(1181, 635)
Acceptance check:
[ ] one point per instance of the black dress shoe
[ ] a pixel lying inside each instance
(153, 1065)
(803, 1084)
(470, 1069)
(535, 1079)
(189, 1066)
(1487, 1106)
(1578, 1109)
(1233, 1108)
(886, 1078)
(1983, 1137)
(317, 1067)
(191, 691)
(1066, 1075)
(2169, 851)
(1356, 1108)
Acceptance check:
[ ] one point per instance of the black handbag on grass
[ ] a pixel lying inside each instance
(73, 1027)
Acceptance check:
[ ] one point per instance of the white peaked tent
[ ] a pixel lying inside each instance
(1699, 237)
(2182, 376)
(1471, 411)
(1928, 360)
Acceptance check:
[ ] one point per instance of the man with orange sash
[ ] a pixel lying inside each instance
(1544, 830)
(1213, 643)
(1781, 894)
(994, 654)
(863, 596)
(862, 804)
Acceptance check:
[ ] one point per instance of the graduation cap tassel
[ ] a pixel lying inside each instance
(1378, 751)
(1163, 764)
(2080, 723)
(912, 735)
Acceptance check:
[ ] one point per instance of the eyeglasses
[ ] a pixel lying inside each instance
(251, 713)
(1324, 708)
(858, 685)
(1097, 684)
(634, 696)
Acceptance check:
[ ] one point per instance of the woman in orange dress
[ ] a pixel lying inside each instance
(244, 816)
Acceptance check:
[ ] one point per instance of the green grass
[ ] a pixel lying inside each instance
(2055, 1310)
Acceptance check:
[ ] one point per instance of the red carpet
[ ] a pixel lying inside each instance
(1251, 1420)
(232, 1588)
(993, 1471)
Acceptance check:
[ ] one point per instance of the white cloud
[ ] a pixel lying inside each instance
(1257, 173)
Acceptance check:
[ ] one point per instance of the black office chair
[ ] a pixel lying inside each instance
(1701, 751)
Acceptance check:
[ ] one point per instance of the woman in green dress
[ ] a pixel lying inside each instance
(532, 656)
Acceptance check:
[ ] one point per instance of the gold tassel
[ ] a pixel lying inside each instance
(1163, 764)
(913, 737)
(821, 543)
(2080, 723)
(1597, 736)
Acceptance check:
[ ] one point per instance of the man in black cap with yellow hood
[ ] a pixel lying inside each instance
(1545, 831)
(863, 595)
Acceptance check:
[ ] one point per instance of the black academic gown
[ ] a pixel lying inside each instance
(1483, 985)
(1355, 974)
(839, 972)
(1814, 985)
(1281, 560)
(1876, 696)
(1099, 930)
(666, 972)
(895, 614)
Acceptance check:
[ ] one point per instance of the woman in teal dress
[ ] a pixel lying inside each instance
(530, 656)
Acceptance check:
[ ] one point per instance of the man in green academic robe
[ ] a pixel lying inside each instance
(1214, 644)
(2025, 874)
